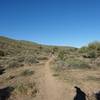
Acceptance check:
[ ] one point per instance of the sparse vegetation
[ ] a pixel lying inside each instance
(22, 61)
(83, 50)
(91, 54)
(10, 77)
(2, 53)
(55, 75)
(61, 55)
(70, 64)
(14, 64)
(93, 78)
(27, 72)
(31, 60)
(75, 63)
(26, 89)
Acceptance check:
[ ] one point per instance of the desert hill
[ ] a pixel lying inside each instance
(32, 71)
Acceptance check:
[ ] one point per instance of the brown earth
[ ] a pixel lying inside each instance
(51, 88)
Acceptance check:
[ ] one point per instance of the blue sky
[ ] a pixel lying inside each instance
(55, 22)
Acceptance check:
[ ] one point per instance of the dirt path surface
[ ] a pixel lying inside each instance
(51, 88)
(52, 85)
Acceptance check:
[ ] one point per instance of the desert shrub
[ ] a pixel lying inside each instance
(75, 63)
(31, 60)
(26, 89)
(42, 58)
(61, 55)
(83, 50)
(72, 49)
(98, 53)
(10, 77)
(97, 62)
(2, 53)
(91, 54)
(92, 50)
(55, 75)
(94, 46)
(70, 64)
(20, 59)
(54, 50)
(60, 65)
(21, 88)
(14, 64)
(27, 72)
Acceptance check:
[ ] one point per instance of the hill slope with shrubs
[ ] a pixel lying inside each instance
(22, 66)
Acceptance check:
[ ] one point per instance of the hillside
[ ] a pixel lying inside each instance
(30, 71)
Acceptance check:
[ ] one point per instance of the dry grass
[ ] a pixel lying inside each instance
(26, 89)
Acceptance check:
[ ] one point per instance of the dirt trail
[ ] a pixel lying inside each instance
(52, 88)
